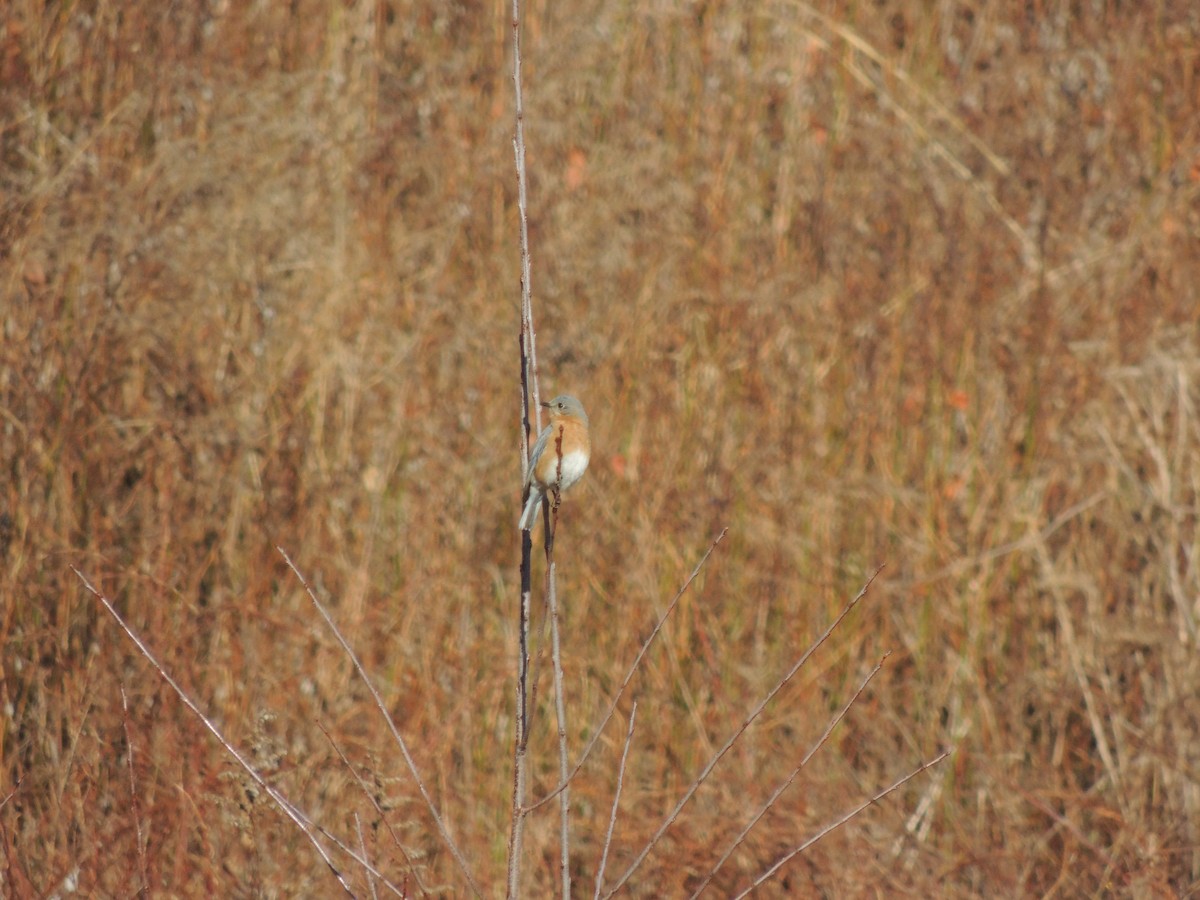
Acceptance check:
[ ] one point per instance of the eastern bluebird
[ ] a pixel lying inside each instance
(554, 464)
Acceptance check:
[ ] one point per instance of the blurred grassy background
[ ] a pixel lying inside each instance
(868, 283)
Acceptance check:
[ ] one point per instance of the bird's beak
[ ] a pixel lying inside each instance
(544, 404)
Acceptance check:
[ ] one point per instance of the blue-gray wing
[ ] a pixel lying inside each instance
(538, 449)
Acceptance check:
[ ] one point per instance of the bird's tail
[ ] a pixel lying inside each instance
(529, 516)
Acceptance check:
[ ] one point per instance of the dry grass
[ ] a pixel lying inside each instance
(867, 284)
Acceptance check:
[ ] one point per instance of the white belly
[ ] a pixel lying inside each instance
(573, 467)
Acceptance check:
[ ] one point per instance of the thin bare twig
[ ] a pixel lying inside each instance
(733, 738)
(282, 802)
(833, 826)
(362, 848)
(833, 723)
(354, 855)
(10, 794)
(133, 797)
(612, 819)
(637, 661)
(412, 866)
(387, 716)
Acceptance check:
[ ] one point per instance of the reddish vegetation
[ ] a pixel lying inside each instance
(906, 287)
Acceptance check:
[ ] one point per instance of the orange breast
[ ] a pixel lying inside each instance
(576, 448)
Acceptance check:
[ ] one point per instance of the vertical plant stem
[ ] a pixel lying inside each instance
(564, 804)
(564, 798)
(529, 387)
(521, 739)
(528, 335)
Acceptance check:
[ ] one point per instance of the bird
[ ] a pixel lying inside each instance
(560, 456)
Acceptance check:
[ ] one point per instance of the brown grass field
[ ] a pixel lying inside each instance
(866, 283)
